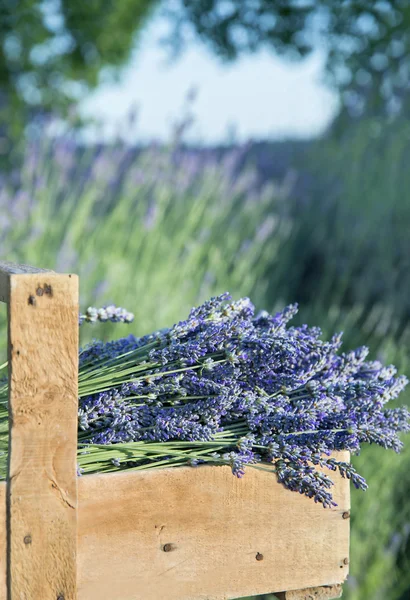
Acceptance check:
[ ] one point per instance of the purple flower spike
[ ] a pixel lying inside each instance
(112, 313)
(227, 387)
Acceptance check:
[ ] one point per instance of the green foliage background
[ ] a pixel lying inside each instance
(53, 52)
(159, 231)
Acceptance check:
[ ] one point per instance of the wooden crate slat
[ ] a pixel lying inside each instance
(328, 592)
(10, 268)
(215, 525)
(3, 541)
(42, 485)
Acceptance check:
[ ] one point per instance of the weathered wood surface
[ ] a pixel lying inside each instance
(227, 537)
(185, 534)
(9, 268)
(327, 592)
(12, 268)
(42, 485)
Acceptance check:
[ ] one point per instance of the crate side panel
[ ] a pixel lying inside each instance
(42, 484)
(3, 541)
(201, 533)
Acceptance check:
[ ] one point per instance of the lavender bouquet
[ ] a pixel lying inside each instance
(229, 387)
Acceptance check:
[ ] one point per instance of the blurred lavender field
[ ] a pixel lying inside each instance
(159, 229)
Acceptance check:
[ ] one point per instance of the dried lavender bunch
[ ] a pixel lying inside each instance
(112, 313)
(228, 387)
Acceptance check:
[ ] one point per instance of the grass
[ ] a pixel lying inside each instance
(162, 230)
(150, 235)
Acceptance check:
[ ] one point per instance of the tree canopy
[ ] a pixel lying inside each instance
(53, 51)
(366, 42)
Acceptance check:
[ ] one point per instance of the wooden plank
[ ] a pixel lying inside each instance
(201, 533)
(215, 526)
(12, 268)
(9, 268)
(328, 592)
(3, 541)
(42, 484)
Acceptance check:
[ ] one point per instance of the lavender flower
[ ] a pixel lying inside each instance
(112, 313)
(228, 387)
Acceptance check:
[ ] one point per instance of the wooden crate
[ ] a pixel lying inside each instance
(172, 534)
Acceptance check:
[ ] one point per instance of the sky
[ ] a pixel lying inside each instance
(259, 96)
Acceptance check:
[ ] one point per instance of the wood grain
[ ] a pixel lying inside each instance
(42, 484)
(9, 268)
(215, 526)
(328, 592)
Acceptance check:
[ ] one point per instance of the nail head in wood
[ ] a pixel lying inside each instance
(31, 300)
(39, 291)
(346, 515)
(27, 539)
(345, 561)
(259, 556)
(169, 547)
